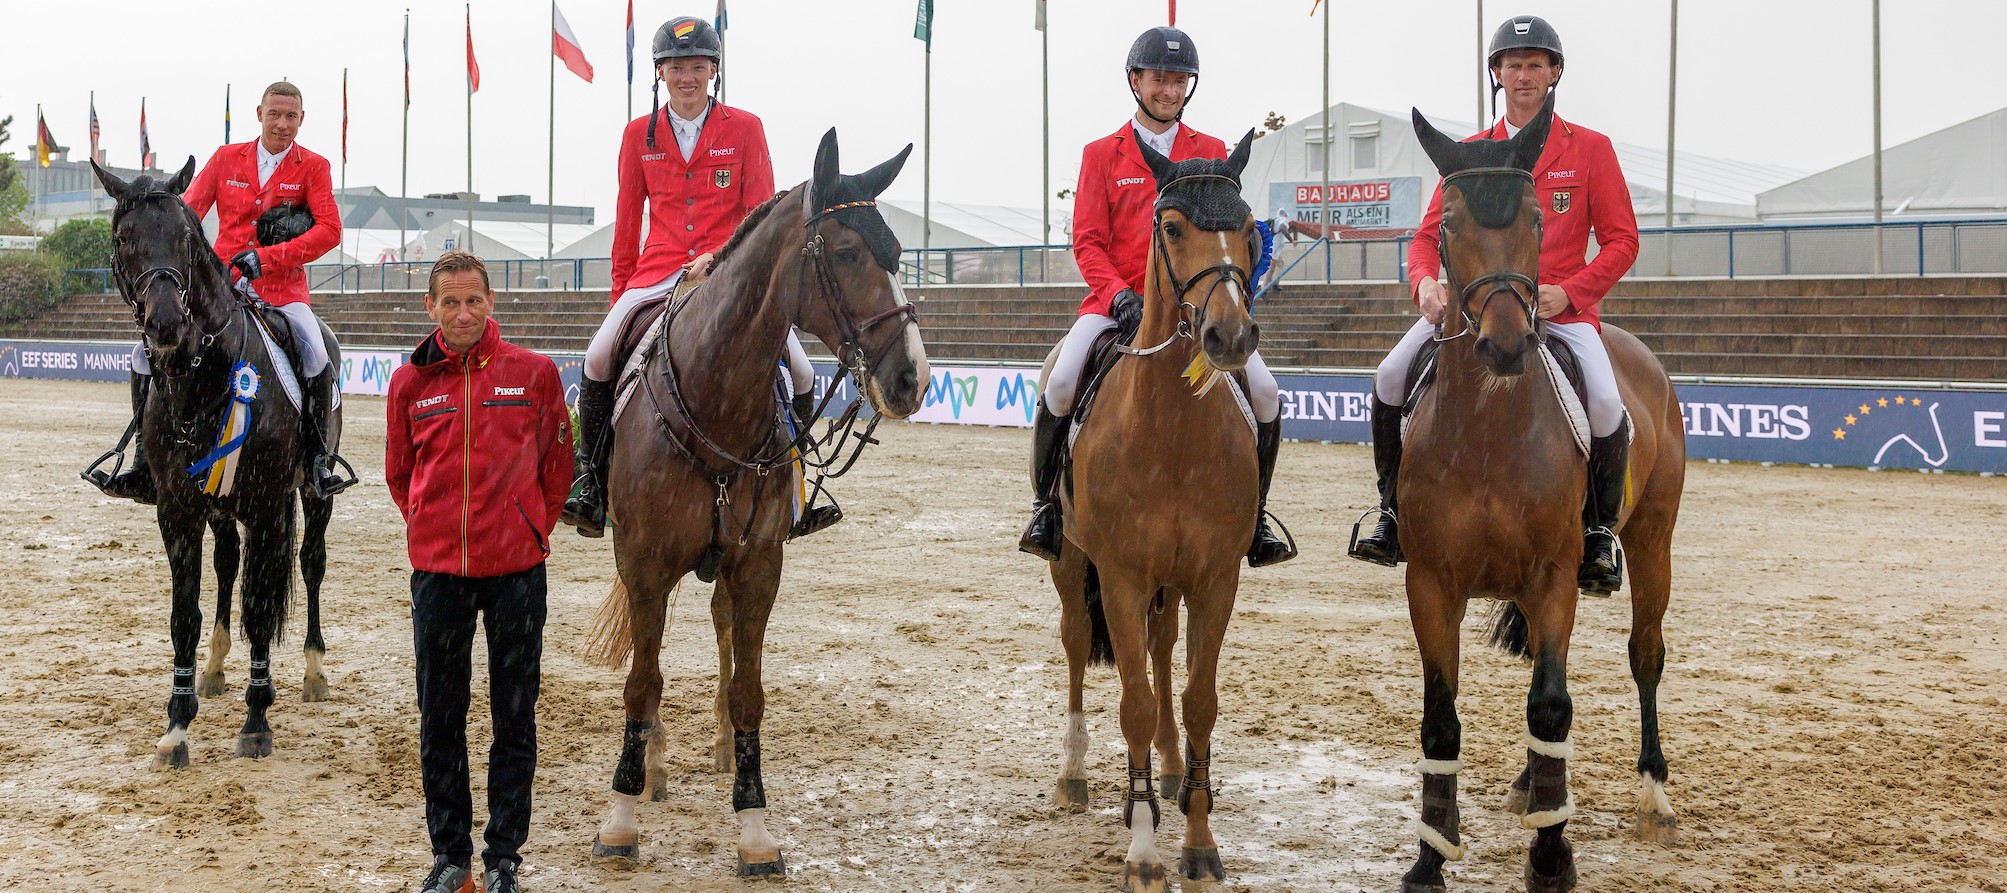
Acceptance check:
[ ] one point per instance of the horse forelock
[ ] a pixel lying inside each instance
(1207, 192)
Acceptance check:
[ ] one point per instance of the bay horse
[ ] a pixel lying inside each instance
(1492, 489)
(209, 362)
(700, 478)
(1163, 496)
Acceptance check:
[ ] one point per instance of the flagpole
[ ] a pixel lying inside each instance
(1483, 70)
(340, 207)
(1672, 106)
(1877, 11)
(404, 156)
(1330, 233)
(927, 156)
(1045, 148)
(550, 172)
(467, 244)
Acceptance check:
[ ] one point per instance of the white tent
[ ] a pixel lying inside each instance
(1960, 171)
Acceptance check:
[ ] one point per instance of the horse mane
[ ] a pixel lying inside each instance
(746, 227)
(211, 263)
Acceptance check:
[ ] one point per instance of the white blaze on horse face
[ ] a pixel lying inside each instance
(915, 351)
(1226, 257)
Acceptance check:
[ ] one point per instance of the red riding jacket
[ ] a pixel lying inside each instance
(229, 183)
(694, 205)
(1113, 205)
(478, 455)
(1581, 188)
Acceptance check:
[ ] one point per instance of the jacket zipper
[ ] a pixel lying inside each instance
(466, 460)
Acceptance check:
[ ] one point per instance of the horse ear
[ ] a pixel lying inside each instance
(875, 180)
(826, 172)
(1532, 140)
(1445, 152)
(182, 178)
(1237, 161)
(1161, 168)
(114, 187)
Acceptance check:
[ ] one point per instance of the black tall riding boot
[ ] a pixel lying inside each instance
(134, 483)
(1048, 436)
(1383, 546)
(1602, 560)
(586, 509)
(1267, 548)
(317, 405)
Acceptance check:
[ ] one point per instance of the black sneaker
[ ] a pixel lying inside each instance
(501, 877)
(448, 878)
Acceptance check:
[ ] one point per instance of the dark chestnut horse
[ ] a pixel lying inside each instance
(1492, 487)
(701, 476)
(1163, 498)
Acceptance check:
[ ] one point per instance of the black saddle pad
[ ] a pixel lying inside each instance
(1422, 371)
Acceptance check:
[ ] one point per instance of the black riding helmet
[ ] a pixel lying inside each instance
(680, 38)
(1521, 33)
(1164, 49)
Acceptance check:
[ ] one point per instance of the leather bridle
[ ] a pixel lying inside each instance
(1522, 287)
(1190, 316)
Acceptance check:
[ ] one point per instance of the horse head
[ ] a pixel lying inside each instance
(863, 316)
(1204, 247)
(1490, 237)
(160, 259)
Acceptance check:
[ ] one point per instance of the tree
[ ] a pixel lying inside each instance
(84, 243)
(7, 172)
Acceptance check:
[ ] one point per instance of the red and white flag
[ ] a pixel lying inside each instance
(473, 68)
(564, 45)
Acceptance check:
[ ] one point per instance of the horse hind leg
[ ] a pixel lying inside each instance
(228, 555)
(268, 569)
(1651, 585)
(1070, 577)
(1163, 622)
(313, 568)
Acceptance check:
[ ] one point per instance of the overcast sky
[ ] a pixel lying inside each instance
(1779, 81)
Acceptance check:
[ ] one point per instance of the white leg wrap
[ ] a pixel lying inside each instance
(1438, 842)
(1075, 765)
(1439, 767)
(1560, 750)
(1652, 799)
(1550, 818)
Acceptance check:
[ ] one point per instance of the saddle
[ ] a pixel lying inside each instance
(1562, 366)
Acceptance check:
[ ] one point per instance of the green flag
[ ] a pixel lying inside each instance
(923, 23)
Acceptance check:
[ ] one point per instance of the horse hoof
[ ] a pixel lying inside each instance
(175, 757)
(1169, 785)
(314, 688)
(775, 868)
(1072, 794)
(211, 686)
(1658, 828)
(1560, 883)
(1413, 887)
(1201, 864)
(658, 792)
(255, 745)
(628, 852)
(1144, 877)
(1516, 800)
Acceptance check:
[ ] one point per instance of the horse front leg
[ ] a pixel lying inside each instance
(1127, 601)
(1651, 588)
(268, 569)
(1077, 624)
(647, 609)
(721, 705)
(753, 581)
(181, 534)
(1208, 615)
(229, 553)
(1437, 617)
(313, 568)
(1550, 714)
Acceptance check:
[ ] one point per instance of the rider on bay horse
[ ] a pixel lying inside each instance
(1580, 188)
(275, 211)
(1112, 213)
(700, 166)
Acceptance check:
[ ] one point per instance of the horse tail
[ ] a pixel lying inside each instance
(1508, 630)
(611, 642)
(1101, 648)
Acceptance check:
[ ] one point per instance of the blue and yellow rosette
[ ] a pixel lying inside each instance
(218, 470)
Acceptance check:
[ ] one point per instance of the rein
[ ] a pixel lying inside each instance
(1500, 281)
(1189, 315)
(130, 287)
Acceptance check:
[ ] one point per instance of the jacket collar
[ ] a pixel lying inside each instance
(1182, 146)
(433, 350)
(1559, 134)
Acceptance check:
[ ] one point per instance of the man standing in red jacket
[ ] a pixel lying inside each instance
(275, 212)
(478, 459)
(700, 166)
(1581, 190)
(1113, 213)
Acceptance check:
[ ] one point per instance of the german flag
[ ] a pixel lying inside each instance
(686, 29)
(45, 142)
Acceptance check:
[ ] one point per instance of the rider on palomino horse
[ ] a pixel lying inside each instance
(1112, 221)
(1580, 189)
(701, 175)
(275, 211)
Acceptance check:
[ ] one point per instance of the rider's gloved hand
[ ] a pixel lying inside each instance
(1127, 309)
(247, 261)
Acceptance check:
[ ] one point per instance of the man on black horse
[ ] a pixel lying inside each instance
(1112, 213)
(1580, 189)
(275, 211)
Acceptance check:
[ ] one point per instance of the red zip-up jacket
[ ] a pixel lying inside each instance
(229, 183)
(478, 455)
(694, 205)
(1581, 188)
(1113, 205)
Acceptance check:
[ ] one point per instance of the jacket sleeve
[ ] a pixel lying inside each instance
(759, 186)
(326, 232)
(201, 194)
(554, 439)
(1093, 234)
(398, 459)
(1425, 252)
(627, 211)
(1616, 226)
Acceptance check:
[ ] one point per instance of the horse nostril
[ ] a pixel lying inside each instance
(1210, 339)
(909, 380)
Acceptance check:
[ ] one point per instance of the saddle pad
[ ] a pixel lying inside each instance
(637, 363)
(282, 367)
(1563, 372)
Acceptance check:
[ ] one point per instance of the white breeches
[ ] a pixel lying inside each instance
(1606, 404)
(307, 341)
(599, 355)
(1064, 384)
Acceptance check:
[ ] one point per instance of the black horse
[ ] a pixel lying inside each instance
(217, 382)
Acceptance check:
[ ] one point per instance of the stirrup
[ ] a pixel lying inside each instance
(1598, 583)
(1287, 540)
(1035, 546)
(1392, 557)
(100, 478)
(324, 469)
(815, 518)
(581, 511)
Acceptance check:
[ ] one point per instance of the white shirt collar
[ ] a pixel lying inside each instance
(269, 163)
(688, 131)
(1161, 142)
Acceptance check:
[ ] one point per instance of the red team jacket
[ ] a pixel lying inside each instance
(1580, 189)
(1113, 206)
(229, 183)
(478, 456)
(693, 206)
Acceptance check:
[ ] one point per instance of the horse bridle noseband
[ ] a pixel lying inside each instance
(852, 353)
(1500, 281)
(132, 286)
(1190, 316)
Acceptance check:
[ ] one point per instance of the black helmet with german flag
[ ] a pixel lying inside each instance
(687, 36)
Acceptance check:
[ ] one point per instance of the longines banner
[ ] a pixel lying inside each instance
(1922, 428)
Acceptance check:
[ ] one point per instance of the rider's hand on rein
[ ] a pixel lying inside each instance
(1553, 300)
(698, 267)
(1433, 298)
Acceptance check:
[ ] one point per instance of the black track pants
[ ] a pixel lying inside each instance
(443, 609)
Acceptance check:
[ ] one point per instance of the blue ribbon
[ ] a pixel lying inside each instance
(1267, 253)
(244, 382)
